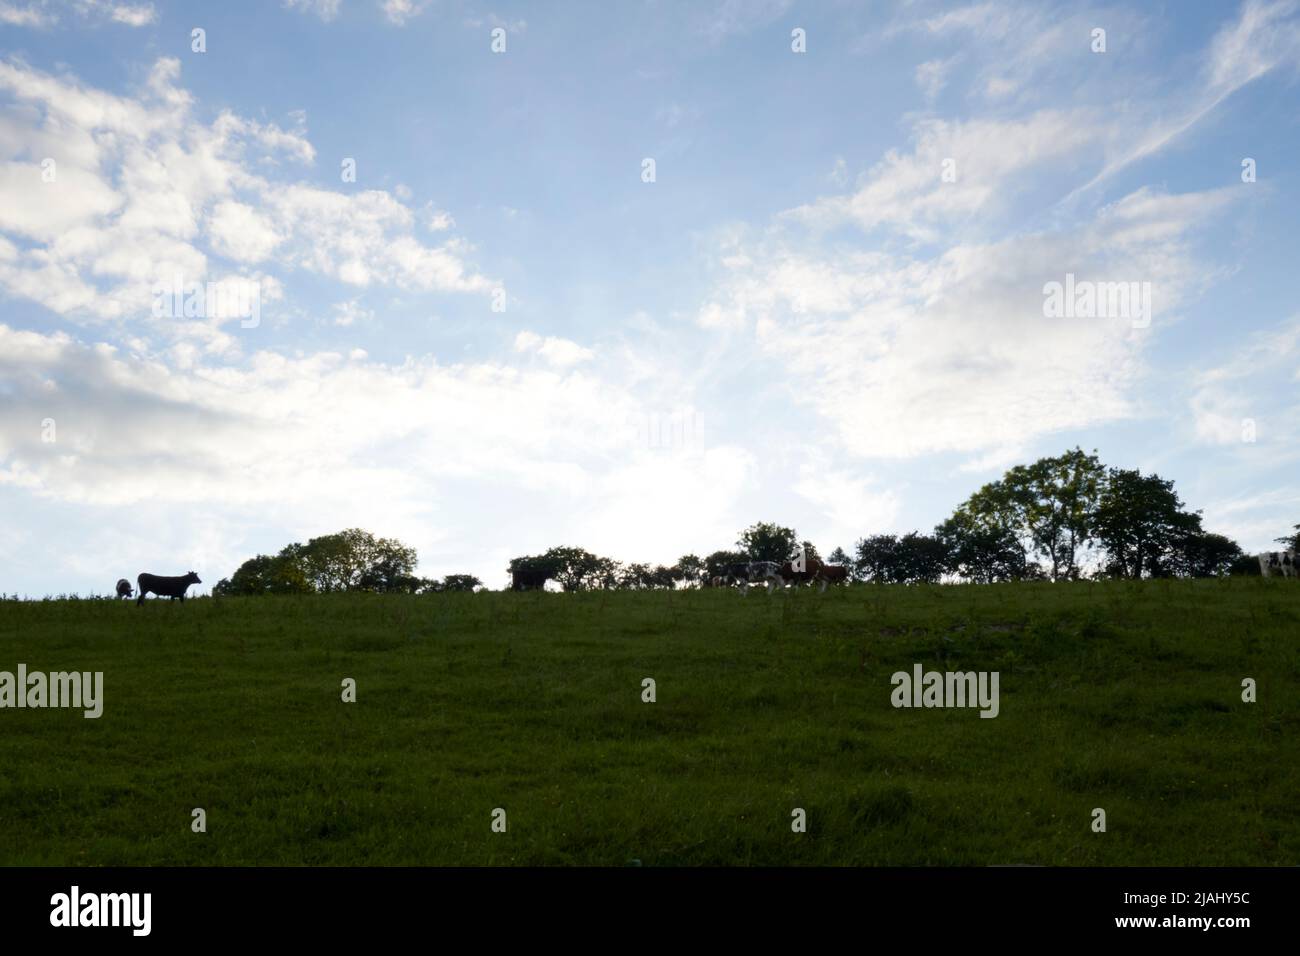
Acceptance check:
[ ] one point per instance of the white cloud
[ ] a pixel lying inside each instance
(46, 13)
(398, 12)
(561, 353)
(986, 160)
(144, 189)
(327, 10)
(241, 233)
(932, 76)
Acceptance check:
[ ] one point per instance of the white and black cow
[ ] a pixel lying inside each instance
(1278, 562)
(755, 572)
(124, 589)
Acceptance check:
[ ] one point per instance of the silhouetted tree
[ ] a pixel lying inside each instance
(1139, 523)
(767, 542)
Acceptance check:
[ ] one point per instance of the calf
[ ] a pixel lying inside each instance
(165, 587)
(124, 589)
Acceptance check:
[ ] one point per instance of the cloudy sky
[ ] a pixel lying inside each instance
(486, 324)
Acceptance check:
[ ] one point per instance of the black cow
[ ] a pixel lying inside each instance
(165, 587)
(527, 578)
(124, 589)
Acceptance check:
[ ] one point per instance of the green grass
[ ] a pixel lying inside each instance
(1124, 696)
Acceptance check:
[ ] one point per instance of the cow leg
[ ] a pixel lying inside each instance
(823, 587)
(140, 599)
(770, 585)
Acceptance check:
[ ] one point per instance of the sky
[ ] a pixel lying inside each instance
(628, 276)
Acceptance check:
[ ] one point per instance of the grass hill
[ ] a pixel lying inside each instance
(1124, 695)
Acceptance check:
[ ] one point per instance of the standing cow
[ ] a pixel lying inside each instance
(165, 587)
(124, 589)
(1278, 562)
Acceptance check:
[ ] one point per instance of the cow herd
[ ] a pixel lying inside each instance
(801, 569)
(158, 584)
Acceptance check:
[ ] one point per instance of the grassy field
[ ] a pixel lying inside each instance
(1124, 696)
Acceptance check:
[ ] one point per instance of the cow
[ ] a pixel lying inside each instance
(810, 568)
(734, 573)
(832, 574)
(529, 578)
(124, 589)
(754, 572)
(1278, 562)
(165, 587)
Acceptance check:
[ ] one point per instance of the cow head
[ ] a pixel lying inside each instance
(192, 578)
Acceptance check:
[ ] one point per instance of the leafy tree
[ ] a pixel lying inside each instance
(980, 551)
(1204, 555)
(767, 542)
(266, 574)
(1049, 505)
(715, 562)
(579, 570)
(876, 557)
(460, 582)
(1291, 542)
(1246, 564)
(355, 560)
(912, 559)
(689, 568)
(1140, 522)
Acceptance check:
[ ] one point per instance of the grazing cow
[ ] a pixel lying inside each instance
(124, 589)
(1279, 562)
(832, 574)
(529, 578)
(756, 572)
(811, 569)
(165, 587)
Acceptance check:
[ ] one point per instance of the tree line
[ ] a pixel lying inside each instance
(1061, 518)
(351, 560)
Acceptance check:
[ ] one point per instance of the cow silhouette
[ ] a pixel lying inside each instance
(165, 587)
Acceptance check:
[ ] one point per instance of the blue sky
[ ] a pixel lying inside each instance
(801, 319)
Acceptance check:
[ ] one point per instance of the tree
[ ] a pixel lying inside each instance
(579, 570)
(912, 559)
(355, 560)
(1204, 555)
(876, 558)
(1291, 542)
(767, 542)
(715, 562)
(689, 568)
(460, 582)
(266, 574)
(1140, 522)
(980, 551)
(1049, 506)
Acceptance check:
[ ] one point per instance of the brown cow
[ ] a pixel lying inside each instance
(833, 574)
(812, 567)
